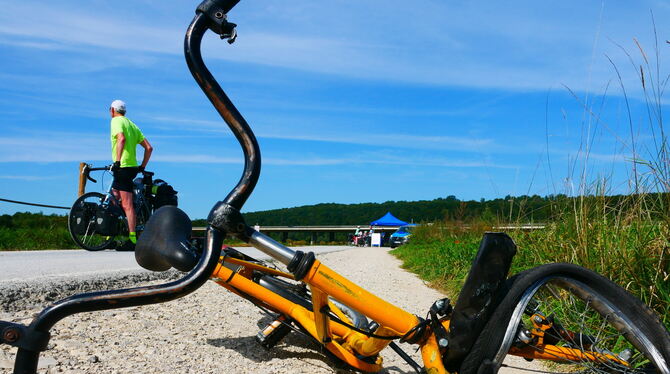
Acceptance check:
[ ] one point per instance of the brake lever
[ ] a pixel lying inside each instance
(216, 11)
(232, 36)
(87, 170)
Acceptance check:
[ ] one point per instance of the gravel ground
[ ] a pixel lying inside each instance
(212, 330)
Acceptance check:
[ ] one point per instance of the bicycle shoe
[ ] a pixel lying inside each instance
(127, 246)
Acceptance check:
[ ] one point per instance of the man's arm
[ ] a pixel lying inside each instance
(120, 143)
(147, 152)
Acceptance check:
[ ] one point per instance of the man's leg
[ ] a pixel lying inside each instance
(127, 204)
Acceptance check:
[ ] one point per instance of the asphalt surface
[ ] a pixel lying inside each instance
(34, 279)
(27, 266)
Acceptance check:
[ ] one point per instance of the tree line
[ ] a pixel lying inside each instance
(521, 209)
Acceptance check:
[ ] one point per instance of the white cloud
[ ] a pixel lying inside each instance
(58, 147)
(393, 140)
(482, 45)
(29, 178)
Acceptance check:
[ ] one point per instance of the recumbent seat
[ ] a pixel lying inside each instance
(165, 242)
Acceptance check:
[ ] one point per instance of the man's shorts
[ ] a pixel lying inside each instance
(123, 179)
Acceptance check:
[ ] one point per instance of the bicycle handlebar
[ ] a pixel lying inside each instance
(88, 169)
(211, 15)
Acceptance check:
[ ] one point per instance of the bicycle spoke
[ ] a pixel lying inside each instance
(578, 326)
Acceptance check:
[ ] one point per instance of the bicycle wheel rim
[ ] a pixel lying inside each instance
(612, 342)
(88, 239)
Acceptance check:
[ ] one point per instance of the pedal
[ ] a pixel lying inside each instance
(273, 333)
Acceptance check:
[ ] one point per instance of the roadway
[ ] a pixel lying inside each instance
(26, 266)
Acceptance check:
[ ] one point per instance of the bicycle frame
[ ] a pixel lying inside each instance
(339, 339)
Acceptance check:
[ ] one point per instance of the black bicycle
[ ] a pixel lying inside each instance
(97, 221)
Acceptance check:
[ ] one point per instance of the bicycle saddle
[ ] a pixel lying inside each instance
(165, 241)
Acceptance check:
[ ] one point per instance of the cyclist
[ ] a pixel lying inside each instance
(125, 137)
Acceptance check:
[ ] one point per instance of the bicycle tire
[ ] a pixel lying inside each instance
(89, 240)
(142, 214)
(622, 324)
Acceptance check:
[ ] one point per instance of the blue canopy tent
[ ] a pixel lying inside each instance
(388, 220)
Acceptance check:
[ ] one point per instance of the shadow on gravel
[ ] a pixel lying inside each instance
(248, 347)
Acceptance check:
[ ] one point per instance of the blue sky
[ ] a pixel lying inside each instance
(352, 101)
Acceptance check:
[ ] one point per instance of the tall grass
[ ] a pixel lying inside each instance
(625, 239)
(634, 255)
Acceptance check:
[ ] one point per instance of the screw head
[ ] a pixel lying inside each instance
(443, 343)
(538, 319)
(218, 14)
(11, 334)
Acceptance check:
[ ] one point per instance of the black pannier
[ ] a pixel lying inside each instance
(107, 221)
(83, 218)
(164, 194)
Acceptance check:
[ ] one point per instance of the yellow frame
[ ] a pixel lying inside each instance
(345, 343)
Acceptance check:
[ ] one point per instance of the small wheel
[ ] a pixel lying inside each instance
(570, 319)
(81, 223)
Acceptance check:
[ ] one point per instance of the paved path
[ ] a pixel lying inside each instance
(35, 265)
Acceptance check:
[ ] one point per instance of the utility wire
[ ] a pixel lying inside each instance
(33, 204)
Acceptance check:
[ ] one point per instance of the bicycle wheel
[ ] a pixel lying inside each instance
(81, 223)
(142, 214)
(570, 319)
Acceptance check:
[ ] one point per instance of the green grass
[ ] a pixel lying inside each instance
(21, 239)
(633, 254)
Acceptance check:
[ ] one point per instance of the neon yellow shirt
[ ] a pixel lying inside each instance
(133, 137)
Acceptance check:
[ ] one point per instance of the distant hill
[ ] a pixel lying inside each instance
(531, 208)
(522, 209)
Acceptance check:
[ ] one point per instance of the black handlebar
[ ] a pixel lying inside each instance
(208, 17)
(88, 169)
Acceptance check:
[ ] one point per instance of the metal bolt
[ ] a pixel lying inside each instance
(443, 343)
(538, 319)
(626, 354)
(218, 14)
(11, 334)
